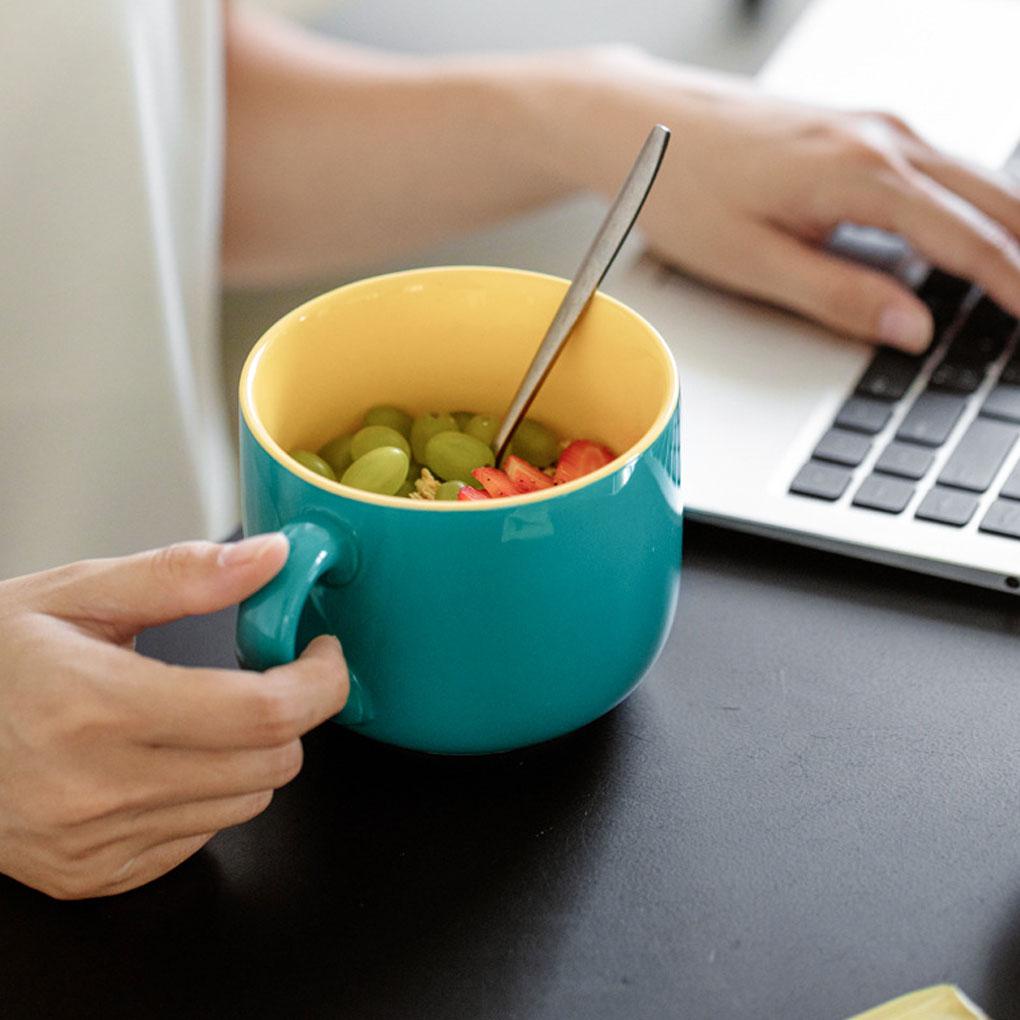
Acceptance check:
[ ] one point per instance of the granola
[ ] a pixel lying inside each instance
(426, 486)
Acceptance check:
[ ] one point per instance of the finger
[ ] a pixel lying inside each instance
(141, 780)
(890, 123)
(151, 863)
(175, 774)
(193, 819)
(172, 706)
(945, 228)
(178, 821)
(850, 299)
(993, 192)
(124, 595)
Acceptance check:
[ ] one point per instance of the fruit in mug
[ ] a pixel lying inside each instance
(337, 454)
(391, 417)
(525, 477)
(373, 436)
(483, 427)
(496, 482)
(424, 428)
(535, 443)
(382, 470)
(469, 494)
(454, 455)
(581, 457)
(313, 462)
(449, 490)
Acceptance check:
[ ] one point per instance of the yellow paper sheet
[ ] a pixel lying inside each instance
(940, 1002)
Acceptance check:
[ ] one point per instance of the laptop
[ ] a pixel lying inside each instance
(793, 432)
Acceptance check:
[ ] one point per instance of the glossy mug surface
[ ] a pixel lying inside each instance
(467, 627)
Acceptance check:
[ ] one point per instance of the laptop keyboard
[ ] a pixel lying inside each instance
(973, 376)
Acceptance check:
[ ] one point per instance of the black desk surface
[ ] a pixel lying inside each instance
(810, 806)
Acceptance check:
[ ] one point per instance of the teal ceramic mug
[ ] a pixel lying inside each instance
(479, 626)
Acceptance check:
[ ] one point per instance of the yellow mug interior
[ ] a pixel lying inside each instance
(452, 339)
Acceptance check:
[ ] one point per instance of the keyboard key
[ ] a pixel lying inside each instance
(983, 335)
(1003, 518)
(890, 374)
(1011, 370)
(822, 481)
(841, 447)
(931, 419)
(877, 492)
(1003, 402)
(905, 460)
(943, 294)
(1011, 487)
(956, 378)
(979, 455)
(988, 325)
(863, 414)
(946, 506)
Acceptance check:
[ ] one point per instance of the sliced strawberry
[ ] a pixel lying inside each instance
(495, 481)
(580, 458)
(469, 494)
(525, 477)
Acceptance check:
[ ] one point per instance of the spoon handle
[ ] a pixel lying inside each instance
(594, 266)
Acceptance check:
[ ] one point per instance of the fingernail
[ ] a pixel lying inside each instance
(239, 554)
(327, 640)
(902, 327)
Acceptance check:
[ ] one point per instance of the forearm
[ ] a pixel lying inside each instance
(338, 156)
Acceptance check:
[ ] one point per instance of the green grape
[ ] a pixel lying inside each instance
(483, 427)
(337, 454)
(391, 417)
(313, 462)
(454, 455)
(449, 490)
(424, 428)
(535, 443)
(381, 470)
(373, 436)
(406, 489)
(462, 418)
(413, 470)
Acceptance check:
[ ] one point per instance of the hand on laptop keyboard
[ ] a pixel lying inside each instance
(755, 184)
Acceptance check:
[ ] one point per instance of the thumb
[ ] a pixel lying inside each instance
(132, 592)
(848, 298)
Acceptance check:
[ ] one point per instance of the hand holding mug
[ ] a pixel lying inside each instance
(114, 768)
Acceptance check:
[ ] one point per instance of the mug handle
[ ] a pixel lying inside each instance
(267, 621)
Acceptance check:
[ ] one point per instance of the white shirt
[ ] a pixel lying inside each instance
(112, 431)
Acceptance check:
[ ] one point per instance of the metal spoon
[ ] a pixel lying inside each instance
(594, 266)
